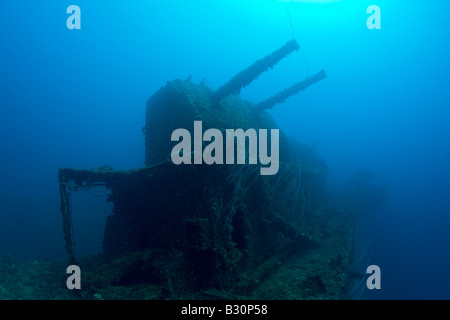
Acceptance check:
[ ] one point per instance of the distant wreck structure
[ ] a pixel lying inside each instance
(216, 231)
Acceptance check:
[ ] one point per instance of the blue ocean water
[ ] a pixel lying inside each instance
(76, 98)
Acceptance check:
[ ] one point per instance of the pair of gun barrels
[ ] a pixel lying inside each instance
(246, 76)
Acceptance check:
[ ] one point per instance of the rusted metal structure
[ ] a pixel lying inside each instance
(214, 226)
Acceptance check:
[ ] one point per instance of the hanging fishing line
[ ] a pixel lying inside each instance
(290, 19)
(293, 37)
(97, 195)
(271, 24)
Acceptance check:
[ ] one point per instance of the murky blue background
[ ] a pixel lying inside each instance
(76, 98)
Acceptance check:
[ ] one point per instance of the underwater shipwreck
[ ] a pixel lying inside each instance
(216, 231)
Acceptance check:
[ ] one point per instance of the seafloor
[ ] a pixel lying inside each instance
(321, 272)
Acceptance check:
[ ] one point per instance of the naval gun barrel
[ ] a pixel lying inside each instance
(246, 76)
(293, 90)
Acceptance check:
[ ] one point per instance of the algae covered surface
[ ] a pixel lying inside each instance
(33, 280)
(319, 269)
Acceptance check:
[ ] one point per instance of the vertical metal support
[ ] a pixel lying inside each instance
(67, 220)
